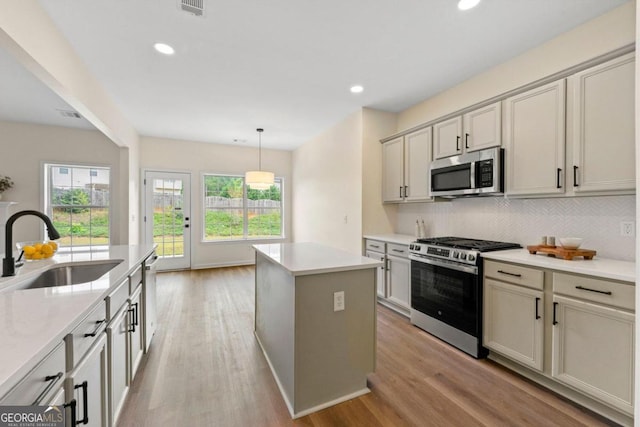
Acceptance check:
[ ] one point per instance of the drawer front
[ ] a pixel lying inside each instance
(616, 294)
(135, 279)
(41, 383)
(80, 340)
(516, 274)
(398, 250)
(375, 245)
(116, 299)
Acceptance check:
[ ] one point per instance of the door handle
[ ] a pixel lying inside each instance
(559, 171)
(466, 141)
(72, 405)
(85, 403)
(555, 304)
(537, 313)
(575, 176)
(457, 143)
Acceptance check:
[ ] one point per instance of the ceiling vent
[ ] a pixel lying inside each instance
(195, 7)
(70, 114)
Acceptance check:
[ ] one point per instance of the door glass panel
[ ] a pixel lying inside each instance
(168, 218)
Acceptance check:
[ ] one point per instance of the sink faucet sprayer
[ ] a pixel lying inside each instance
(9, 263)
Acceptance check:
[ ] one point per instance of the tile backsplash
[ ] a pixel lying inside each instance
(525, 221)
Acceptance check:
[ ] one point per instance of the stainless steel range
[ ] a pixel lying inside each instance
(446, 289)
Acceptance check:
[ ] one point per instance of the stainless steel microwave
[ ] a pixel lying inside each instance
(476, 173)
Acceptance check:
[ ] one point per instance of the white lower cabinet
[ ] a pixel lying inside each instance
(593, 350)
(394, 276)
(118, 334)
(581, 345)
(87, 384)
(380, 273)
(398, 281)
(513, 322)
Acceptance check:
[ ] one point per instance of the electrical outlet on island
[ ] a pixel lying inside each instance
(627, 228)
(338, 301)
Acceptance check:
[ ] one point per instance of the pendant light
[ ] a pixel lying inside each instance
(259, 180)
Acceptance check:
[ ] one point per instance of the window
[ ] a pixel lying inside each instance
(77, 201)
(233, 211)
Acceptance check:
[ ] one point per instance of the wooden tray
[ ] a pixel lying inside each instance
(560, 252)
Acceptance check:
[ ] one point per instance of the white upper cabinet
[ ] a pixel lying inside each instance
(417, 156)
(393, 170)
(405, 167)
(476, 130)
(603, 130)
(447, 139)
(483, 128)
(535, 140)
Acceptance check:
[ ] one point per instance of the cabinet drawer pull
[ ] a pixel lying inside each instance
(398, 250)
(555, 304)
(510, 274)
(52, 380)
(558, 178)
(575, 176)
(537, 313)
(95, 331)
(85, 403)
(375, 246)
(72, 405)
(582, 288)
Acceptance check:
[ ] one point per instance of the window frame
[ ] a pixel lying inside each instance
(47, 207)
(245, 209)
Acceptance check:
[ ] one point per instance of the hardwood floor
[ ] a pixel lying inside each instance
(206, 369)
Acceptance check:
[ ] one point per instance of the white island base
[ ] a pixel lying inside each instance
(318, 356)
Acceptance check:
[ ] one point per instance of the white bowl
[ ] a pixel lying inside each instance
(570, 242)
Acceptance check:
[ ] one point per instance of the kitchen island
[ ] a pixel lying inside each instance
(315, 321)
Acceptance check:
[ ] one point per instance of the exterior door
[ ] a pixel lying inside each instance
(167, 201)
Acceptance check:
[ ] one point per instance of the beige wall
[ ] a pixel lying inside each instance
(596, 37)
(24, 148)
(376, 217)
(327, 187)
(637, 216)
(198, 158)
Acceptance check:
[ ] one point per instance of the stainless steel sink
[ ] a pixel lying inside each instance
(71, 274)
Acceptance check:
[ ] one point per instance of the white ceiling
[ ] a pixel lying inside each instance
(287, 65)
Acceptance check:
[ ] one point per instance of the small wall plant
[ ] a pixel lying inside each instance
(5, 183)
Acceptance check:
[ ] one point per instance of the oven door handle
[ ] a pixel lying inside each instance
(453, 266)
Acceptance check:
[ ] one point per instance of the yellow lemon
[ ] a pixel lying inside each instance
(47, 251)
(28, 250)
(29, 256)
(36, 255)
(53, 245)
(38, 246)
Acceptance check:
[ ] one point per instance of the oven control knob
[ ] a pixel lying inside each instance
(463, 256)
(471, 257)
(456, 254)
(411, 247)
(416, 247)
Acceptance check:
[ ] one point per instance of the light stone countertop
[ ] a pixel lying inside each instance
(301, 259)
(34, 321)
(599, 267)
(400, 239)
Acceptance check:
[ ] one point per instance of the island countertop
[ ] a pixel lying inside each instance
(35, 321)
(300, 259)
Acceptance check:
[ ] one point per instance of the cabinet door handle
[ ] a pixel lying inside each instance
(558, 178)
(401, 191)
(466, 141)
(537, 313)
(386, 263)
(132, 319)
(52, 380)
(555, 304)
(95, 331)
(457, 143)
(405, 190)
(135, 322)
(582, 288)
(73, 404)
(85, 403)
(510, 274)
(575, 176)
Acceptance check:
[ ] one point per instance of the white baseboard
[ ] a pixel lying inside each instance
(222, 264)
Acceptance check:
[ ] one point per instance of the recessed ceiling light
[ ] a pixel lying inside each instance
(356, 89)
(467, 4)
(164, 48)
